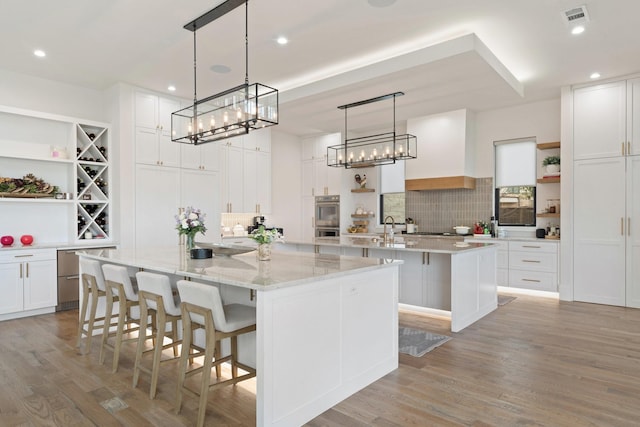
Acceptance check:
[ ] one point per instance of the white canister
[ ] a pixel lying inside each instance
(238, 230)
(411, 228)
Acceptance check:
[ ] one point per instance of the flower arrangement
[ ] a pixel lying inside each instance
(263, 236)
(190, 222)
(551, 160)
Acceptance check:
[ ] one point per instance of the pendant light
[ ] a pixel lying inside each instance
(372, 150)
(229, 113)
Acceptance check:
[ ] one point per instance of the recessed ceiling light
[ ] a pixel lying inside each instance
(39, 53)
(222, 69)
(282, 40)
(171, 88)
(595, 75)
(381, 3)
(578, 29)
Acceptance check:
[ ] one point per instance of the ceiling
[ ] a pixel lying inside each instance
(444, 55)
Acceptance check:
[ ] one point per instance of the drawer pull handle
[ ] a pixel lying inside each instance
(531, 246)
(530, 260)
(23, 256)
(73, 277)
(531, 280)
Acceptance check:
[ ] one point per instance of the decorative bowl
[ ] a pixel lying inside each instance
(6, 240)
(462, 229)
(26, 239)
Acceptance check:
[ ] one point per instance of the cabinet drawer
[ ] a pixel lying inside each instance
(22, 255)
(540, 281)
(534, 246)
(67, 263)
(533, 261)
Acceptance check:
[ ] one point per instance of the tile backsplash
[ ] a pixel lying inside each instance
(441, 210)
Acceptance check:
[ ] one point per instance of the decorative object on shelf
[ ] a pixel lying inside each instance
(552, 165)
(6, 240)
(26, 239)
(231, 112)
(362, 182)
(27, 186)
(373, 150)
(265, 238)
(189, 222)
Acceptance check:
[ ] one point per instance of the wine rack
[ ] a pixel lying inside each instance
(92, 184)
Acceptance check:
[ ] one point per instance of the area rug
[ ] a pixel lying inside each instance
(505, 299)
(417, 343)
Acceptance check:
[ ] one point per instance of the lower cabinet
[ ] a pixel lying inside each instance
(28, 280)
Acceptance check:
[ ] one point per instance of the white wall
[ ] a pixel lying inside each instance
(286, 177)
(33, 93)
(539, 119)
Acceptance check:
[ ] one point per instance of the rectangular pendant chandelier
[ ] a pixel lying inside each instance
(232, 112)
(372, 150)
(229, 113)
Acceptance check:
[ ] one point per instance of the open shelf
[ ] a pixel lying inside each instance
(548, 180)
(548, 145)
(548, 215)
(362, 190)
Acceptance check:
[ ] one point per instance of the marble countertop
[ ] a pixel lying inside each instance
(403, 243)
(283, 270)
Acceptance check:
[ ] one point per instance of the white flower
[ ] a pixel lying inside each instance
(195, 223)
(193, 216)
(185, 224)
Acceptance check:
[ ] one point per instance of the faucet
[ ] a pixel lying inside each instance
(388, 237)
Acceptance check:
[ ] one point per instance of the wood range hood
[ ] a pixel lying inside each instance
(442, 183)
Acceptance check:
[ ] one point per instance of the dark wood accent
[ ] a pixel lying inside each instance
(548, 180)
(444, 183)
(533, 361)
(548, 145)
(362, 190)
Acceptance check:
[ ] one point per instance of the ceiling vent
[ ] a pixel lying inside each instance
(576, 15)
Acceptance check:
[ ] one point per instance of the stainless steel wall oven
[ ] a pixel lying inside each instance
(327, 216)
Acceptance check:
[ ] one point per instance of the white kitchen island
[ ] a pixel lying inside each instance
(327, 325)
(439, 275)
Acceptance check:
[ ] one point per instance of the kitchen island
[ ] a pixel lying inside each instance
(327, 325)
(439, 275)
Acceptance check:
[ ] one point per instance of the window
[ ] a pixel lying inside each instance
(515, 177)
(392, 192)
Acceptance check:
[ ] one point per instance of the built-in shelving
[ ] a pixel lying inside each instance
(548, 215)
(548, 145)
(362, 190)
(551, 180)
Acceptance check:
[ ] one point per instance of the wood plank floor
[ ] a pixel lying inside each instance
(534, 361)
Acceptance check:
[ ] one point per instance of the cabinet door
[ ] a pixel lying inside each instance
(598, 221)
(633, 116)
(233, 179)
(168, 151)
(146, 146)
(320, 177)
(201, 189)
(308, 177)
(263, 182)
(190, 156)
(210, 156)
(146, 110)
(40, 284)
(412, 279)
(308, 217)
(633, 231)
(250, 191)
(599, 121)
(157, 202)
(11, 285)
(165, 108)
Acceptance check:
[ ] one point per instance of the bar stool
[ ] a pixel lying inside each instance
(156, 299)
(92, 287)
(202, 307)
(119, 289)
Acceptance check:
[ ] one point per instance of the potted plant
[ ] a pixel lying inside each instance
(552, 164)
(265, 238)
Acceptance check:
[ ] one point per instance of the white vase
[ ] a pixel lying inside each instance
(264, 252)
(553, 169)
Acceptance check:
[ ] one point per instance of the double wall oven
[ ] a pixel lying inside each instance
(327, 216)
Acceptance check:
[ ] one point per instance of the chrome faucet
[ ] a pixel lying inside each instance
(388, 237)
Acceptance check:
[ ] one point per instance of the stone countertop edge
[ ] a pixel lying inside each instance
(251, 274)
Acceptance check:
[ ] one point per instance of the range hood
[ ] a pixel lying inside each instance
(447, 152)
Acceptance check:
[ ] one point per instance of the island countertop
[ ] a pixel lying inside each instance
(401, 243)
(283, 270)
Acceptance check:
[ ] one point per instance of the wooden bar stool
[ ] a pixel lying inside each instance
(119, 289)
(202, 307)
(93, 288)
(156, 299)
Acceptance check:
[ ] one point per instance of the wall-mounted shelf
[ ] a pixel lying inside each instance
(548, 145)
(362, 190)
(361, 215)
(548, 180)
(548, 215)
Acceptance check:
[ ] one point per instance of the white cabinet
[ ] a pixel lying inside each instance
(533, 265)
(232, 175)
(201, 189)
(318, 179)
(605, 233)
(200, 157)
(502, 259)
(153, 131)
(28, 278)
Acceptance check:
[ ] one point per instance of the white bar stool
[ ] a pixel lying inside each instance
(120, 290)
(93, 287)
(156, 299)
(202, 307)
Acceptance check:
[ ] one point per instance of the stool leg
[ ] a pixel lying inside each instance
(122, 318)
(161, 322)
(234, 352)
(142, 338)
(184, 355)
(107, 323)
(83, 313)
(174, 336)
(206, 373)
(92, 317)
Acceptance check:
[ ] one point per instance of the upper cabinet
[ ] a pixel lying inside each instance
(445, 152)
(318, 179)
(153, 130)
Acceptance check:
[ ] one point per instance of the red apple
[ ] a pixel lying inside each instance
(27, 239)
(6, 240)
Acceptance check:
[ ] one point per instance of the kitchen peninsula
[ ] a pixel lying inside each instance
(327, 325)
(437, 273)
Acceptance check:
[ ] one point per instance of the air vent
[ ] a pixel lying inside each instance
(576, 15)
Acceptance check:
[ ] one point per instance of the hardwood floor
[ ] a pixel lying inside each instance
(534, 361)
